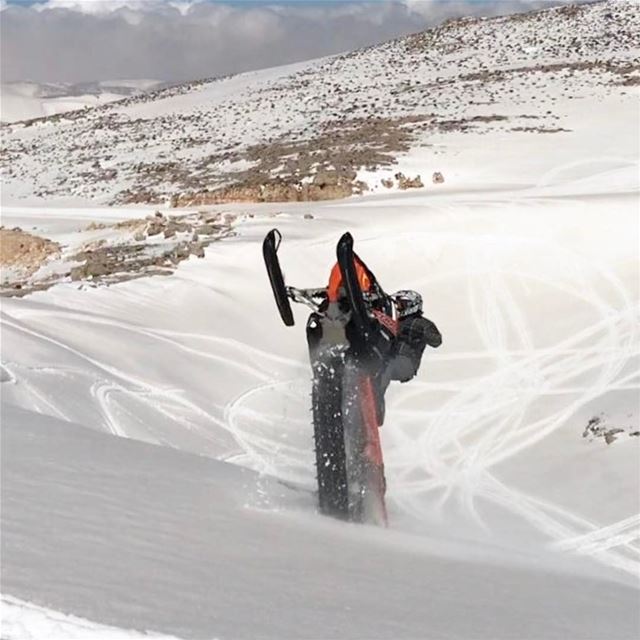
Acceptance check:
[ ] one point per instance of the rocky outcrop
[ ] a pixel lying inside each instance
(25, 252)
(154, 245)
(408, 183)
(325, 185)
(597, 427)
(187, 235)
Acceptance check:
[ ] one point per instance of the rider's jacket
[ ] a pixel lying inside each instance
(415, 332)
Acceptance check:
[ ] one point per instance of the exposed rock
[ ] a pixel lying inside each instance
(93, 269)
(78, 273)
(24, 250)
(387, 183)
(610, 436)
(105, 263)
(408, 183)
(94, 226)
(597, 428)
(274, 191)
(182, 251)
(326, 179)
(198, 251)
(541, 129)
(437, 178)
(154, 229)
(321, 168)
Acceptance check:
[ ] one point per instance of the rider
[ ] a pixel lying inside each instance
(398, 357)
(394, 350)
(415, 332)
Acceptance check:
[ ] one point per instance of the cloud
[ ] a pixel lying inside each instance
(83, 40)
(102, 7)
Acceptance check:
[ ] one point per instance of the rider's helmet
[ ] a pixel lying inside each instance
(407, 302)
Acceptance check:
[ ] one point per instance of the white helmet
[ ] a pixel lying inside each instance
(407, 302)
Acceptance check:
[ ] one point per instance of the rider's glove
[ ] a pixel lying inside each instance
(376, 351)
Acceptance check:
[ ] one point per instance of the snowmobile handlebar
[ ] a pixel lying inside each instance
(312, 298)
(315, 297)
(360, 302)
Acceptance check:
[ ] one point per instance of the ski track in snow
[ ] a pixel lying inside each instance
(26, 621)
(156, 397)
(485, 418)
(492, 411)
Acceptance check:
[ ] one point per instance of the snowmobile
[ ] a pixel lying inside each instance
(348, 316)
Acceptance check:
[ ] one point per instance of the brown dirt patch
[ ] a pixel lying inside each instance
(323, 167)
(24, 250)
(151, 246)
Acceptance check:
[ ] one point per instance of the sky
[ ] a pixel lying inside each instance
(176, 40)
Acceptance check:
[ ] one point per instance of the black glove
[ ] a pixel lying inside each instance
(374, 353)
(415, 333)
(403, 365)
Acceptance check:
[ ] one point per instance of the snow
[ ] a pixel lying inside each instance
(192, 127)
(27, 100)
(157, 461)
(145, 537)
(487, 470)
(25, 621)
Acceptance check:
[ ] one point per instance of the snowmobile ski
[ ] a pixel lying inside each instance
(270, 253)
(347, 261)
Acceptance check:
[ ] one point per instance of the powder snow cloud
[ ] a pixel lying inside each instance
(83, 40)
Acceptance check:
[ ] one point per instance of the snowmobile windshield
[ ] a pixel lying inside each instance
(367, 281)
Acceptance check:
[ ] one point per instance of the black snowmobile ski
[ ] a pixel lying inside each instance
(347, 261)
(270, 252)
(364, 464)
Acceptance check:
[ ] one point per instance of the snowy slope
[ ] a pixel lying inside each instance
(439, 92)
(145, 537)
(157, 463)
(484, 451)
(29, 100)
(20, 620)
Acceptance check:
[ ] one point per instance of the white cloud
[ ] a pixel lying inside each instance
(102, 7)
(182, 7)
(77, 40)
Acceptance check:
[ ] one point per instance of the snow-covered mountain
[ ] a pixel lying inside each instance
(31, 100)
(157, 462)
(269, 133)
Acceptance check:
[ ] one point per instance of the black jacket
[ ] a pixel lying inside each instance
(414, 334)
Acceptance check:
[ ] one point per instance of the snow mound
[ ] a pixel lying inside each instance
(25, 621)
(137, 536)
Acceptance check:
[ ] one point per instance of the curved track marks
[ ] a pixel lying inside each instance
(498, 415)
(535, 333)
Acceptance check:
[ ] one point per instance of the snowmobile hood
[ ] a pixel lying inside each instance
(335, 280)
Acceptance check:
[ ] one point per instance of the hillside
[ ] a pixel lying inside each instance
(31, 100)
(157, 454)
(311, 130)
